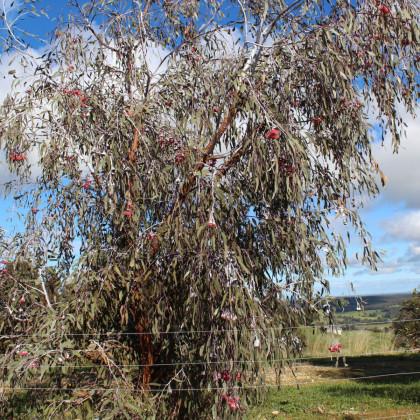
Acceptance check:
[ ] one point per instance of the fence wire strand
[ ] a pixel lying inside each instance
(215, 331)
(210, 362)
(224, 388)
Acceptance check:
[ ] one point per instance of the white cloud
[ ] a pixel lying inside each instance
(405, 226)
(415, 249)
(402, 169)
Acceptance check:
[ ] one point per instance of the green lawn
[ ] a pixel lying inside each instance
(349, 399)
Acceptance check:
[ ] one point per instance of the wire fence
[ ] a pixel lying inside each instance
(165, 387)
(215, 331)
(220, 362)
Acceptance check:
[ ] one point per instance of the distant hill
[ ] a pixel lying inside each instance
(375, 307)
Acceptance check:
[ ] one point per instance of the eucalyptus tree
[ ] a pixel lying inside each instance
(180, 163)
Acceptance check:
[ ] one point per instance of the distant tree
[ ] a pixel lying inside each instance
(187, 158)
(407, 334)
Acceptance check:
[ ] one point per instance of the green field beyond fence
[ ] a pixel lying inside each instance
(379, 381)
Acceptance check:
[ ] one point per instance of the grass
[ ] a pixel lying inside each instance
(342, 400)
(362, 316)
(354, 342)
(349, 399)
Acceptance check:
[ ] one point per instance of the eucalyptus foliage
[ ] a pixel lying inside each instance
(179, 164)
(407, 324)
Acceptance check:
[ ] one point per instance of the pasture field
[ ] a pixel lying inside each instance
(316, 389)
(355, 342)
(340, 396)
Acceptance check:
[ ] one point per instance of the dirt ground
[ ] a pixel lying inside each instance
(316, 371)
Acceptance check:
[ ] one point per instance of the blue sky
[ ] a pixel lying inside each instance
(393, 218)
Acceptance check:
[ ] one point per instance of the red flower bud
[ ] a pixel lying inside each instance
(316, 120)
(273, 134)
(384, 10)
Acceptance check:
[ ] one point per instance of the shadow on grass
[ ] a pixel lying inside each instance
(399, 388)
(372, 365)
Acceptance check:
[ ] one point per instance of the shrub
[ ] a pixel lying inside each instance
(407, 333)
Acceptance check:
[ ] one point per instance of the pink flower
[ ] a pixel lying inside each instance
(4, 271)
(384, 10)
(22, 300)
(127, 213)
(211, 224)
(34, 210)
(226, 376)
(273, 134)
(316, 120)
(3, 262)
(24, 353)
